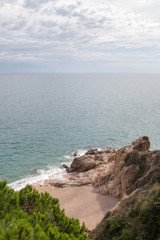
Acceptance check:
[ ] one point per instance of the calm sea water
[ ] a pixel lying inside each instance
(45, 118)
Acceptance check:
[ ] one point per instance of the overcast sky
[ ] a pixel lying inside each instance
(79, 36)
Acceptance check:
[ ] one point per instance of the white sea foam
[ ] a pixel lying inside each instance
(81, 152)
(68, 157)
(52, 172)
(42, 175)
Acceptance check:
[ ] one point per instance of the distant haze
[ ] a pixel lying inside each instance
(79, 36)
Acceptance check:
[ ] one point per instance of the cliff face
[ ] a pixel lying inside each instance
(133, 167)
(117, 172)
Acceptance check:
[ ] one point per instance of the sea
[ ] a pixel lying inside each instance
(45, 118)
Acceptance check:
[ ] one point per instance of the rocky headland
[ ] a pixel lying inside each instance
(115, 172)
(130, 175)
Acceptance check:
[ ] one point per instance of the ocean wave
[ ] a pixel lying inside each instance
(42, 175)
(70, 155)
(39, 176)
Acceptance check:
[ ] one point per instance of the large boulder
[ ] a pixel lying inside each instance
(82, 164)
(141, 144)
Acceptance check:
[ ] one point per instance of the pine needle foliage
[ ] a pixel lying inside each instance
(28, 215)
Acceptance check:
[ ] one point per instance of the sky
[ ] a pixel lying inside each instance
(45, 36)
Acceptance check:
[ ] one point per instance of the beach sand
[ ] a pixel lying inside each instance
(82, 202)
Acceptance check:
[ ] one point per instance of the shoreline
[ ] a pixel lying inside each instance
(82, 202)
(95, 182)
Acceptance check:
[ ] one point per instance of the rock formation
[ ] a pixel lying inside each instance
(117, 172)
(137, 214)
(82, 164)
(131, 173)
(141, 144)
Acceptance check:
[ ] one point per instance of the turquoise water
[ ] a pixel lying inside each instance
(45, 118)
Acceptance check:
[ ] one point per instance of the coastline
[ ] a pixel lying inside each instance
(95, 182)
(82, 202)
(123, 183)
(98, 180)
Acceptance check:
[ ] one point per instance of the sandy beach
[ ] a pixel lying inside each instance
(82, 202)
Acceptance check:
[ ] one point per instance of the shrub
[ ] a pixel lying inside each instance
(141, 222)
(28, 215)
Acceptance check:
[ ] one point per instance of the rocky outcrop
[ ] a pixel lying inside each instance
(90, 160)
(117, 172)
(82, 164)
(141, 144)
(92, 151)
(123, 173)
(129, 167)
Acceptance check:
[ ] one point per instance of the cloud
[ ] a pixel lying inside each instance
(49, 31)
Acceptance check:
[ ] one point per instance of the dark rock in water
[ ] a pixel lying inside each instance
(35, 171)
(67, 168)
(64, 166)
(75, 154)
(92, 151)
(141, 144)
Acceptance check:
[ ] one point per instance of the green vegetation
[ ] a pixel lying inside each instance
(127, 158)
(28, 215)
(136, 159)
(141, 171)
(137, 218)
